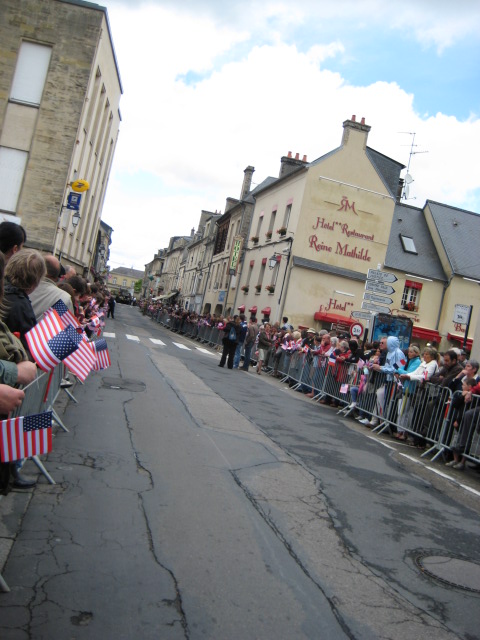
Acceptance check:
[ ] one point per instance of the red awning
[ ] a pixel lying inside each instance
(253, 310)
(323, 316)
(241, 308)
(267, 311)
(454, 338)
(426, 334)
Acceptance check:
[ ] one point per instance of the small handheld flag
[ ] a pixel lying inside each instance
(24, 437)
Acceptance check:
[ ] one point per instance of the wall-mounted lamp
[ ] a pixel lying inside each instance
(75, 219)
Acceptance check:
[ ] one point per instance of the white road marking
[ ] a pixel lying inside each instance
(134, 338)
(205, 351)
(155, 341)
(181, 346)
(108, 335)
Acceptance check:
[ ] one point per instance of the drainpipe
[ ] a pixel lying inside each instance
(445, 287)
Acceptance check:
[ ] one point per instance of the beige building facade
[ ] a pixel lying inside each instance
(60, 91)
(317, 231)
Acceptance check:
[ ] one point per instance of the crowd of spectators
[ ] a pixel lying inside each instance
(30, 283)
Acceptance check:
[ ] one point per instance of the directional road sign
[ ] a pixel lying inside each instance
(379, 287)
(372, 297)
(381, 276)
(375, 307)
(361, 315)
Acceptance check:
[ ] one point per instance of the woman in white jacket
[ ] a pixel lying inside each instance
(427, 368)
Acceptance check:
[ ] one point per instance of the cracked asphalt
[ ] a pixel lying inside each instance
(196, 502)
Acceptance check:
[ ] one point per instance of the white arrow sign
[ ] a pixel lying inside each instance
(382, 276)
(361, 315)
(374, 298)
(375, 307)
(379, 287)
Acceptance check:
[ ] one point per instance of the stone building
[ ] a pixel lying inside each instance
(198, 263)
(228, 250)
(60, 90)
(124, 278)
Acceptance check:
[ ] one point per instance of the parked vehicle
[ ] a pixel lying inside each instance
(124, 296)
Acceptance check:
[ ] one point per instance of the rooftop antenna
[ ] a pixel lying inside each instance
(408, 178)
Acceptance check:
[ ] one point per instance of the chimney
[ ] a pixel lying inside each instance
(288, 163)
(353, 127)
(247, 181)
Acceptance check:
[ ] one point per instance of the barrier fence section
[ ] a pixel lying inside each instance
(424, 411)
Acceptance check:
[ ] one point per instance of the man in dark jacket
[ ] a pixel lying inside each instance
(231, 334)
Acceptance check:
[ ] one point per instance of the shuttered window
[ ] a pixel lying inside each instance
(30, 73)
(12, 168)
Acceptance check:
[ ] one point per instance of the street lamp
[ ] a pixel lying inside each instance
(75, 219)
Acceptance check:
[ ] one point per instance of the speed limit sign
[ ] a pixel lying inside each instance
(356, 330)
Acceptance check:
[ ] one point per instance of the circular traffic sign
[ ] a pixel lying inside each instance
(356, 330)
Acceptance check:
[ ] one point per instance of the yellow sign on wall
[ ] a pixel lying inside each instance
(80, 185)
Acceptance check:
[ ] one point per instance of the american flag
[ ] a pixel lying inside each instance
(103, 357)
(47, 353)
(50, 325)
(24, 437)
(66, 316)
(81, 361)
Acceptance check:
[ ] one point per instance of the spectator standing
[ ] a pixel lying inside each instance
(47, 293)
(241, 341)
(250, 338)
(23, 273)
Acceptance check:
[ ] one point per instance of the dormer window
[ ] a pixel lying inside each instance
(408, 244)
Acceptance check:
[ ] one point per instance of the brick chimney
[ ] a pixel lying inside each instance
(289, 163)
(247, 181)
(354, 129)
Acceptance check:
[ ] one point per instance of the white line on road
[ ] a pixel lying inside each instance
(155, 341)
(205, 351)
(181, 346)
(108, 335)
(134, 338)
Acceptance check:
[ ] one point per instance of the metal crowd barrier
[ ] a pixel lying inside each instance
(422, 410)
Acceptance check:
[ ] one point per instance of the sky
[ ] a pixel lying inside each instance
(212, 86)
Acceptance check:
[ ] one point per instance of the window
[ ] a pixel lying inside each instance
(411, 295)
(114, 281)
(286, 215)
(30, 73)
(124, 283)
(12, 167)
(408, 244)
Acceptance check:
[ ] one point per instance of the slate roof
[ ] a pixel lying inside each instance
(388, 169)
(459, 231)
(410, 221)
(130, 273)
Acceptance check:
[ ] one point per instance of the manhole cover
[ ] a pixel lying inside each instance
(451, 570)
(122, 383)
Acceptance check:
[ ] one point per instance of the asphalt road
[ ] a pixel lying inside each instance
(197, 502)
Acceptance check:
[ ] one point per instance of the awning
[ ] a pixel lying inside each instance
(426, 334)
(267, 311)
(454, 338)
(241, 308)
(323, 316)
(253, 310)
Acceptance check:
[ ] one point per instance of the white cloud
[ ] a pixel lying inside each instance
(195, 139)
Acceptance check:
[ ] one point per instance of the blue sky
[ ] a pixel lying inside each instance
(215, 86)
